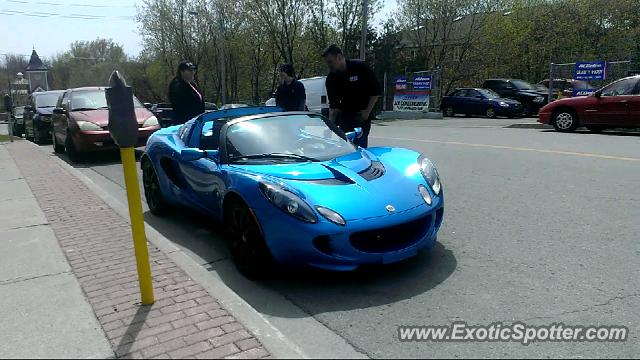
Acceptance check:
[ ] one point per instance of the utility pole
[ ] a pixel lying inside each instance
(363, 40)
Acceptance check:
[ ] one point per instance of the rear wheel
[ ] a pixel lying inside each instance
(248, 247)
(37, 136)
(449, 112)
(152, 192)
(56, 147)
(565, 120)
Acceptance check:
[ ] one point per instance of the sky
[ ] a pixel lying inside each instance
(50, 26)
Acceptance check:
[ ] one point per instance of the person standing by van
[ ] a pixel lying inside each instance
(353, 91)
(291, 94)
(185, 98)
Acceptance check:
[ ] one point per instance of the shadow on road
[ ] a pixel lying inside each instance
(613, 132)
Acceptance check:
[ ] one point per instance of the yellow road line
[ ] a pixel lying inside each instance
(559, 152)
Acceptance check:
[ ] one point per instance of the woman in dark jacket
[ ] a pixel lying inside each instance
(186, 99)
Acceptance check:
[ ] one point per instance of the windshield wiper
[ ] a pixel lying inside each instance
(273, 155)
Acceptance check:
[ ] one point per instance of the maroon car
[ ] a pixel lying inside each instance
(617, 105)
(80, 122)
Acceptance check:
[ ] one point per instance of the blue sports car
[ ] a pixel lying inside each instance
(292, 188)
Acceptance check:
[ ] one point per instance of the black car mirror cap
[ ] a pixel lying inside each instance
(597, 94)
(58, 111)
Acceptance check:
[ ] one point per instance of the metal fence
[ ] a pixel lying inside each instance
(560, 73)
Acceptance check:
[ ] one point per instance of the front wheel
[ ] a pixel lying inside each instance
(70, 149)
(152, 192)
(248, 247)
(57, 148)
(565, 120)
(526, 110)
(490, 113)
(37, 136)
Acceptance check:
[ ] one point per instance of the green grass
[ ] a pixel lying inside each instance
(4, 138)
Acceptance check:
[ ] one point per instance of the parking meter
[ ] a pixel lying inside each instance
(123, 127)
(123, 124)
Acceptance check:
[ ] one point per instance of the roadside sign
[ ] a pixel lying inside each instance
(411, 101)
(590, 70)
(401, 83)
(422, 82)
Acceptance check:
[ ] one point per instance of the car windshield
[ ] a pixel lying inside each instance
(47, 100)
(286, 138)
(94, 100)
(522, 85)
(490, 94)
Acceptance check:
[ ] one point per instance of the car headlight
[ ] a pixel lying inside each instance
(151, 121)
(288, 202)
(430, 174)
(331, 215)
(88, 126)
(538, 99)
(504, 104)
(425, 194)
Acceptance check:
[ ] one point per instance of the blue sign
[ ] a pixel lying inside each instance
(583, 92)
(422, 83)
(590, 70)
(401, 83)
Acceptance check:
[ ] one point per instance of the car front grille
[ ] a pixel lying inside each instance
(391, 238)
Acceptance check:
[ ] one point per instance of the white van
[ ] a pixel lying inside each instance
(316, 95)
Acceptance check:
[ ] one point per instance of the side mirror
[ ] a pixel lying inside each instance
(58, 111)
(148, 105)
(355, 134)
(598, 94)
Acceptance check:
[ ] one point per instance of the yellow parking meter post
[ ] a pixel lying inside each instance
(123, 127)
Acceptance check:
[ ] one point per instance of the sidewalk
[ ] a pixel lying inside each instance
(87, 305)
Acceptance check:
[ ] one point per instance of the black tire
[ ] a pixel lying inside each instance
(70, 149)
(17, 130)
(152, 192)
(27, 135)
(564, 120)
(449, 111)
(37, 137)
(526, 110)
(57, 148)
(246, 243)
(595, 129)
(490, 113)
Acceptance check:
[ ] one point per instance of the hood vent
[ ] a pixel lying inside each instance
(374, 171)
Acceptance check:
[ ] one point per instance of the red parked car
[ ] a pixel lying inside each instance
(617, 105)
(81, 118)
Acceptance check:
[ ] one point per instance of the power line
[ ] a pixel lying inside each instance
(66, 16)
(64, 4)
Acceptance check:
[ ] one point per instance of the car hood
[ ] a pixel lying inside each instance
(532, 93)
(101, 117)
(340, 185)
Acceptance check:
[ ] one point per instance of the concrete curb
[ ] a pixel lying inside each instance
(272, 339)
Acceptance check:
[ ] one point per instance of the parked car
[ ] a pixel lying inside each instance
(617, 105)
(530, 98)
(38, 114)
(563, 88)
(164, 113)
(293, 189)
(470, 101)
(81, 118)
(17, 118)
(316, 95)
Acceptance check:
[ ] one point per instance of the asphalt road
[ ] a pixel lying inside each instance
(540, 227)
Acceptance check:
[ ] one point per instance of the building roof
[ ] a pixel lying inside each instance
(35, 64)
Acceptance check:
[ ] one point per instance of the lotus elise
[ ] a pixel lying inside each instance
(291, 188)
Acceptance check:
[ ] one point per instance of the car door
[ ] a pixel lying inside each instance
(613, 107)
(204, 177)
(634, 108)
(59, 120)
(475, 102)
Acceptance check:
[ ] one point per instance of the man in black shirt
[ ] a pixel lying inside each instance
(353, 91)
(290, 95)
(185, 98)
